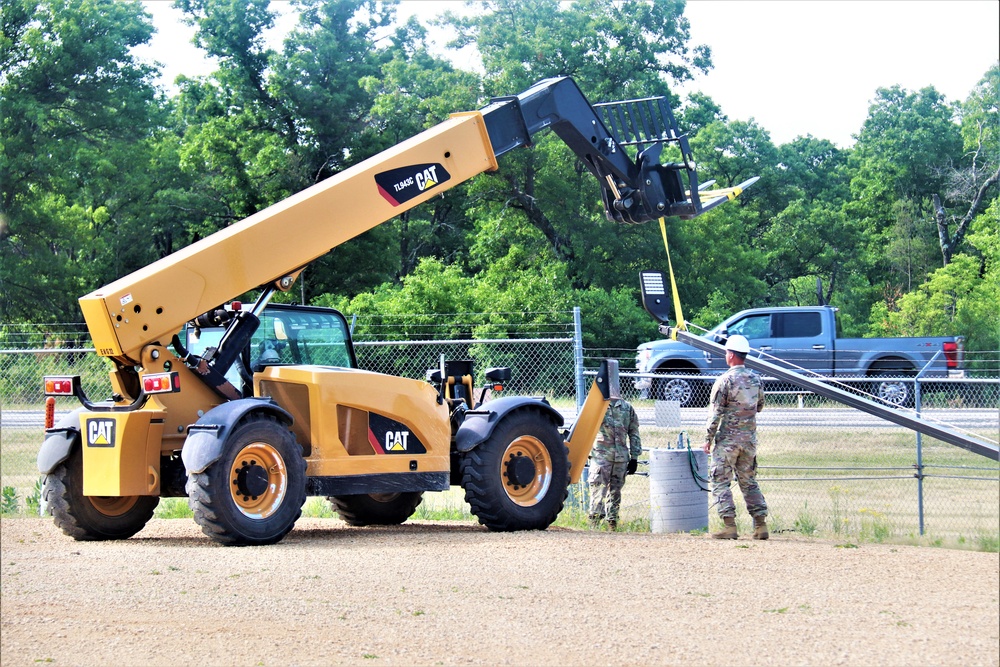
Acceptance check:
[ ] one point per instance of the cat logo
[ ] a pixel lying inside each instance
(402, 184)
(101, 432)
(395, 441)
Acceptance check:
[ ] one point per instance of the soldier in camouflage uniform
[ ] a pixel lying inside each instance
(732, 423)
(615, 454)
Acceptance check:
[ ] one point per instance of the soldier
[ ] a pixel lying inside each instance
(615, 454)
(732, 423)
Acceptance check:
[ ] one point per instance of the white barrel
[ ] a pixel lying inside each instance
(678, 500)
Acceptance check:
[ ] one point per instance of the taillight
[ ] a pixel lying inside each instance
(50, 412)
(161, 383)
(61, 385)
(951, 354)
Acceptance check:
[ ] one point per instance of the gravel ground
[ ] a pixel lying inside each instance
(455, 594)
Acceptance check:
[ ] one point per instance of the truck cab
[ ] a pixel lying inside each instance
(288, 334)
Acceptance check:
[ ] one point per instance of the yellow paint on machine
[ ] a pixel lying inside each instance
(121, 453)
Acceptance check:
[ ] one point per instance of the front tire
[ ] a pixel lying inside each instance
(92, 518)
(376, 509)
(518, 478)
(253, 494)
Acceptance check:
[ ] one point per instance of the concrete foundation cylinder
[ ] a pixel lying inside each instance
(678, 501)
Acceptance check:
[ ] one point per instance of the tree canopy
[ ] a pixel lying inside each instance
(103, 173)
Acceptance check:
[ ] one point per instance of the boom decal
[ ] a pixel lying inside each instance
(402, 184)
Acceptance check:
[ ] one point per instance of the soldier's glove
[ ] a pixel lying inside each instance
(633, 465)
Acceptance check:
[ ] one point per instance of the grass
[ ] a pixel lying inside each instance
(803, 473)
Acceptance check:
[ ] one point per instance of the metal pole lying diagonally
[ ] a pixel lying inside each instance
(655, 301)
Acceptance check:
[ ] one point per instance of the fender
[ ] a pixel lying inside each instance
(205, 439)
(59, 442)
(479, 424)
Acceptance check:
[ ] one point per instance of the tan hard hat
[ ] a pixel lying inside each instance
(738, 343)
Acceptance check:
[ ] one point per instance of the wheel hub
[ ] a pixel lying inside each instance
(251, 479)
(520, 470)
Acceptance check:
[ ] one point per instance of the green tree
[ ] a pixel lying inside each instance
(79, 115)
(903, 151)
(974, 181)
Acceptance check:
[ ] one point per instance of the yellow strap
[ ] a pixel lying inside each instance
(681, 324)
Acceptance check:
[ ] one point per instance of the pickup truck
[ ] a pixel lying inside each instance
(804, 337)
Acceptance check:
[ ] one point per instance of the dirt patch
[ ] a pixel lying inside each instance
(453, 594)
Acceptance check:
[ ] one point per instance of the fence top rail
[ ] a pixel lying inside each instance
(460, 341)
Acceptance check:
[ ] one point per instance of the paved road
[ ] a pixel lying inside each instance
(969, 419)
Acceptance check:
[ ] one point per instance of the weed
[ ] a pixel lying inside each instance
(874, 525)
(989, 543)
(33, 501)
(846, 545)
(318, 508)
(173, 508)
(418, 612)
(776, 611)
(8, 500)
(805, 522)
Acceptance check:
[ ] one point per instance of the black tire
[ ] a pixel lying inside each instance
(690, 393)
(376, 509)
(518, 478)
(90, 518)
(253, 494)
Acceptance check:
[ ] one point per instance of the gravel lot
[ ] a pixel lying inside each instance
(455, 594)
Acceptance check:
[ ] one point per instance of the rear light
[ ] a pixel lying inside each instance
(50, 412)
(951, 354)
(161, 383)
(61, 385)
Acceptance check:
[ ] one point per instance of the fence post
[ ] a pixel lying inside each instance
(578, 358)
(920, 453)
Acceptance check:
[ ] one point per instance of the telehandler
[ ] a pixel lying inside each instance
(273, 409)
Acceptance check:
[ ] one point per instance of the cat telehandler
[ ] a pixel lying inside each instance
(246, 411)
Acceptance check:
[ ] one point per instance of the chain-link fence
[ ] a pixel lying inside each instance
(823, 467)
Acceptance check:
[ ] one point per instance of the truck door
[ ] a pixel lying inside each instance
(756, 328)
(799, 339)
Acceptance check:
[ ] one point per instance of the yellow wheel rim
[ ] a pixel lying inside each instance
(113, 505)
(526, 470)
(258, 480)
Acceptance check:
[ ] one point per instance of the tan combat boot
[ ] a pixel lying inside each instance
(729, 532)
(760, 528)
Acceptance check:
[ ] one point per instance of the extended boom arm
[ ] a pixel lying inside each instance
(269, 248)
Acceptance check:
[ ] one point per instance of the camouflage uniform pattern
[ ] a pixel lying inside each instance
(617, 442)
(732, 423)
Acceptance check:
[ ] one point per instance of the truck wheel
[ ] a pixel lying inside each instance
(86, 518)
(894, 392)
(517, 479)
(254, 493)
(689, 393)
(376, 509)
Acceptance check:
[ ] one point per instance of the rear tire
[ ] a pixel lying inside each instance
(91, 518)
(253, 494)
(376, 509)
(689, 393)
(894, 392)
(518, 478)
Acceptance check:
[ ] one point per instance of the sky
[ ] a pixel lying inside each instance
(796, 68)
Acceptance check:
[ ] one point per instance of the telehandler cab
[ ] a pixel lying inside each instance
(274, 408)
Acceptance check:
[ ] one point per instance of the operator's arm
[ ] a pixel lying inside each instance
(716, 409)
(635, 442)
(760, 399)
